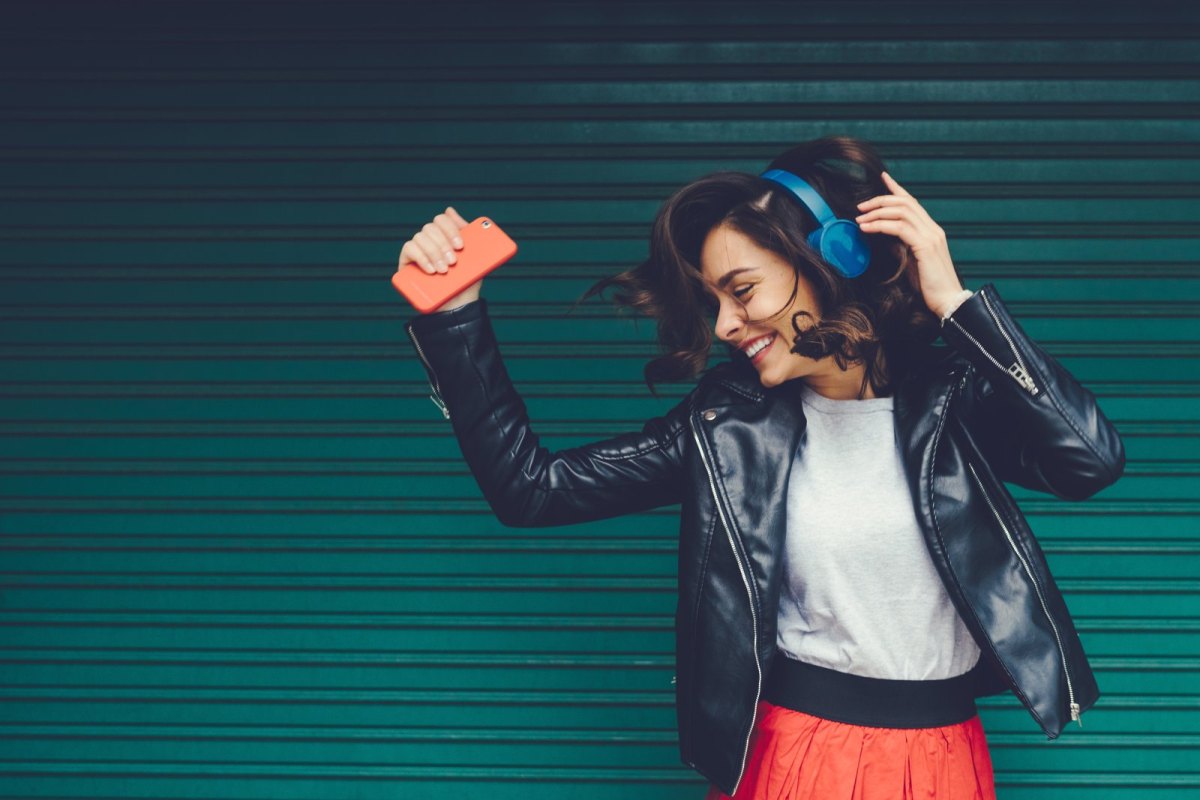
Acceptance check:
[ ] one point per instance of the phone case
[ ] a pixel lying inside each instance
(485, 247)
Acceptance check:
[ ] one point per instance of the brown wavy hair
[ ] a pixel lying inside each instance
(878, 319)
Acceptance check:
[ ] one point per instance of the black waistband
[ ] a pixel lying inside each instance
(875, 702)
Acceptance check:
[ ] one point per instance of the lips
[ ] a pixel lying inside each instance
(756, 345)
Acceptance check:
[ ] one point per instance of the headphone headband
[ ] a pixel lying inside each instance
(839, 241)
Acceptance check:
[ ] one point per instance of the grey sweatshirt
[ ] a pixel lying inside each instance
(860, 592)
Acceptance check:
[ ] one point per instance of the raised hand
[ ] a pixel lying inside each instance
(900, 215)
(432, 248)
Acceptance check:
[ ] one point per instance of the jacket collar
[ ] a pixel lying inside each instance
(758, 430)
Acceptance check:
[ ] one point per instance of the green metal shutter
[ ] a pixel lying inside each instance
(242, 557)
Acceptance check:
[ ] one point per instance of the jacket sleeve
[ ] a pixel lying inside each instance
(525, 484)
(1037, 426)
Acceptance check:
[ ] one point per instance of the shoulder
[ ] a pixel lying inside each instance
(728, 382)
(933, 363)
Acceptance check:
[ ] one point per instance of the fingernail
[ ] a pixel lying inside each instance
(450, 258)
(458, 241)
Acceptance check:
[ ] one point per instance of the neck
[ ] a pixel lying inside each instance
(840, 384)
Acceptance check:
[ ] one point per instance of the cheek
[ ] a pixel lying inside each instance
(779, 300)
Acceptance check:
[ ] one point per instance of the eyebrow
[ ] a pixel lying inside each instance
(724, 280)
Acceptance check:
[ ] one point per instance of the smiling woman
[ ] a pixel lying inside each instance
(852, 571)
(853, 338)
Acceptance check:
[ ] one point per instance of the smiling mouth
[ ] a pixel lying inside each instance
(760, 346)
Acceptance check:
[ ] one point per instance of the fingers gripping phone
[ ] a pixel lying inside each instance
(485, 247)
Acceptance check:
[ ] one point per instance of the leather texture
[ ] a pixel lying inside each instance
(989, 408)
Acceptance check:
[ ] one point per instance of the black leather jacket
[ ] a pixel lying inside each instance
(990, 408)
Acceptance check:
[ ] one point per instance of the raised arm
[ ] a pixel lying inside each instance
(1037, 426)
(526, 484)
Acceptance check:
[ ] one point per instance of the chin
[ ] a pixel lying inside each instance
(769, 379)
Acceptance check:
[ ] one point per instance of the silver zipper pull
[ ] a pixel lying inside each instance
(433, 384)
(1022, 377)
(1076, 715)
(440, 405)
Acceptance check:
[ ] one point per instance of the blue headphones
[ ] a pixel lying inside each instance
(839, 241)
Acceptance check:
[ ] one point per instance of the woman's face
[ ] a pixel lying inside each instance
(751, 283)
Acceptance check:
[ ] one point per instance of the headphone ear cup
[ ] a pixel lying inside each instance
(843, 247)
(814, 240)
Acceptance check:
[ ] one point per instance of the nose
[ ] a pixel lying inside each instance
(730, 317)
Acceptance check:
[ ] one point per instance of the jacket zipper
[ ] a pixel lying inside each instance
(712, 485)
(436, 397)
(1075, 713)
(1017, 370)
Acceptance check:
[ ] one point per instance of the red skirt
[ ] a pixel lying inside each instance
(796, 756)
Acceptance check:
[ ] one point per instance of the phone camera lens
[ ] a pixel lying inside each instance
(487, 223)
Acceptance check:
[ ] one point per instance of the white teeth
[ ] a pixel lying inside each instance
(753, 349)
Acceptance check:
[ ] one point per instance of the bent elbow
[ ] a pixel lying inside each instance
(521, 507)
(513, 515)
(1100, 471)
(1111, 461)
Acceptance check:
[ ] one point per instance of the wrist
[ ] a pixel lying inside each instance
(948, 306)
(468, 295)
(444, 318)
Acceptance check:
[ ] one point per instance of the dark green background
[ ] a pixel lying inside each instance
(242, 557)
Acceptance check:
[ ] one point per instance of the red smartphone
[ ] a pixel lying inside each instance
(485, 247)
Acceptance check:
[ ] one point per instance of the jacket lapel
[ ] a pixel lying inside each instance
(753, 441)
(922, 415)
(920, 411)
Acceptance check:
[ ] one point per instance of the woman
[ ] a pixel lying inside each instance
(853, 572)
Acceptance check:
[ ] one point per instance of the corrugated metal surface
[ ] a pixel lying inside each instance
(241, 555)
